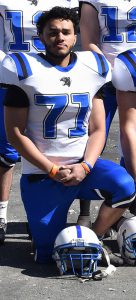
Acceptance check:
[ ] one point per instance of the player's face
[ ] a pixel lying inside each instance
(58, 37)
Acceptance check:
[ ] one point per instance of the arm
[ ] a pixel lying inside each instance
(15, 121)
(94, 145)
(16, 112)
(89, 28)
(97, 131)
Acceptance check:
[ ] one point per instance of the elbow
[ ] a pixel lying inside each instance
(12, 138)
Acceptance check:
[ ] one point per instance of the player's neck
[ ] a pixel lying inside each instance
(59, 61)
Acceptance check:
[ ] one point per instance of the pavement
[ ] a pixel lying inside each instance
(21, 278)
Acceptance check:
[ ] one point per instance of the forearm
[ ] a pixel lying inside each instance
(94, 146)
(29, 151)
(89, 29)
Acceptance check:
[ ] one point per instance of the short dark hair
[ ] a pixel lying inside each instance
(58, 13)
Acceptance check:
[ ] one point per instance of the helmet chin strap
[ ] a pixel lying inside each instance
(109, 271)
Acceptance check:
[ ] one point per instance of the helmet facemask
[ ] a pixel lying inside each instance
(76, 259)
(129, 248)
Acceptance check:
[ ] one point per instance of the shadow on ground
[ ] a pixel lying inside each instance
(16, 253)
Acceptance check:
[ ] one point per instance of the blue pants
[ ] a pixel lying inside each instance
(110, 105)
(132, 208)
(47, 202)
(7, 153)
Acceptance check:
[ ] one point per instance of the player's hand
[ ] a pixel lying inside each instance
(62, 173)
(77, 174)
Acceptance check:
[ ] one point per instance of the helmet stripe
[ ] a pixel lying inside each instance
(79, 232)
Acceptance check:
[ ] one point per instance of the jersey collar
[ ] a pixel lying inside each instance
(59, 68)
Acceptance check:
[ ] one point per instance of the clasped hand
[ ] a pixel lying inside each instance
(70, 175)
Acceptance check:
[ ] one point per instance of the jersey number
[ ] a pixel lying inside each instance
(16, 26)
(111, 19)
(57, 105)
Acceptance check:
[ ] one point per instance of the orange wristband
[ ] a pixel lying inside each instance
(85, 167)
(53, 171)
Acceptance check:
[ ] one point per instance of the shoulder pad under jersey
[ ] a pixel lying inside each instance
(22, 64)
(95, 61)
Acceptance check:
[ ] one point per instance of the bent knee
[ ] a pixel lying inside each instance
(124, 182)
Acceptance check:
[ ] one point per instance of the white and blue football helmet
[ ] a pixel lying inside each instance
(126, 238)
(77, 251)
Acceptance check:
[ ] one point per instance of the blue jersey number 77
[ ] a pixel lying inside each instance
(57, 104)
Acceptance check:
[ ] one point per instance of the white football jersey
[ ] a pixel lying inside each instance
(124, 71)
(117, 20)
(18, 23)
(60, 101)
(2, 55)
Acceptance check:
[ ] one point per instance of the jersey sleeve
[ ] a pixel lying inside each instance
(1, 33)
(9, 71)
(96, 62)
(16, 97)
(101, 92)
(124, 71)
(100, 70)
(93, 3)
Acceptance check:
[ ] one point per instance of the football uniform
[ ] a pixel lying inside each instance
(18, 33)
(117, 34)
(60, 104)
(117, 25)
(124, 79)
(19, 19)
(47, 118)
(124, 71)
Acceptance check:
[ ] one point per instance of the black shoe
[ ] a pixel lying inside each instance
(28, 231)
(132, 208)
(3, 229)
(84, 221)
(33, 249)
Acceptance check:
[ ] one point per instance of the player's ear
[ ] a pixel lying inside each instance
(41, 38)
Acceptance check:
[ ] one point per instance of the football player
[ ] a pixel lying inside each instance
(52, 102)
(124, 79)
(108, 27)
(17, 33)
